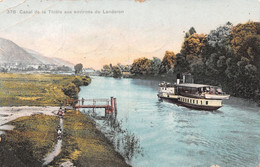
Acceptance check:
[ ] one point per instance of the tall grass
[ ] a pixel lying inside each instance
(37, 89)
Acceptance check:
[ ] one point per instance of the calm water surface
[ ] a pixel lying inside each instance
(172, 135)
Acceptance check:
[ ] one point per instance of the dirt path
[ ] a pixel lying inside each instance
(9, 114)
(57, 149)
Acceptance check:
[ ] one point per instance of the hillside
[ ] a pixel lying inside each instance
(49, 60)
(11, 53)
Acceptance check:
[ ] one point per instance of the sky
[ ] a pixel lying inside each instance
(135, 30)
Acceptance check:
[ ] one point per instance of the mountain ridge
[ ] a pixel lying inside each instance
(11, 53)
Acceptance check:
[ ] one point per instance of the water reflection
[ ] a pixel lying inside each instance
(148, 83)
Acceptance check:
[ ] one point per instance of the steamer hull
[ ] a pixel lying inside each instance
(194, 96)
(200, 107)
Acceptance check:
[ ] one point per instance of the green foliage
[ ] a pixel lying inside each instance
(181, 64)
(239, 34)
(155, 66)
(141, 66)
(71, 90)
(78, 68)
(228, 57)
(124, 68)
(168, 62)
(81, 81)
(190, 32)
(106, 70)
(193, 46)
(144, 66)
(62, 68)
(117, 73)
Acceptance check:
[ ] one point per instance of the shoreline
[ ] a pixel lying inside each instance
(20, 127)
(31, 136)
(172, 79)
(29, 116)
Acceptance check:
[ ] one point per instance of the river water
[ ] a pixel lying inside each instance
(171, 135)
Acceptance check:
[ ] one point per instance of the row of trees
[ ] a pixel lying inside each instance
(114, 71)
(228, 56)
(144, 66)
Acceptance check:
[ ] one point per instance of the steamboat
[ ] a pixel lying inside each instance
(197, 96)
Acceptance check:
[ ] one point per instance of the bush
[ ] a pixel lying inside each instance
(71, 90)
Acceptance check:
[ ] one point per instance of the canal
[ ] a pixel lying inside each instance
(171, 135)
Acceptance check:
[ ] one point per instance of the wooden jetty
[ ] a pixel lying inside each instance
(109, 105)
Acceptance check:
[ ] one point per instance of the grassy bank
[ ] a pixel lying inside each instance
(84, 145)
(38, 89)
(27, 144)
(35, 136)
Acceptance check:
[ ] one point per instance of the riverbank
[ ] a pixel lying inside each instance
(172, 78)
(84, 145)
(39, 89)
(34, 137)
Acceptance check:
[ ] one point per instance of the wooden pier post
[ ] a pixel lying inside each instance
(106, 111)
(94, 105)
(115, 106)
(112, 107)
(82, 101)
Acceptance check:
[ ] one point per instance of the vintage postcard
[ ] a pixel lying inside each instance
(142, 83)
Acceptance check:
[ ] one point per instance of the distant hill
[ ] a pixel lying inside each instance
(49, 60)
(61, 62)
(12, 53)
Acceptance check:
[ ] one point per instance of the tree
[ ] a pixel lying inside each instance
(190, 32)
(245, 41)
(239, 34)
(181, 64)
(155, 65)
(220, 37)
(106, 70)
(168, 62)
(78, 68)
(124, 68)
(193, 46)
(71, 90)
(141, 66)
(215, 53)
(117, 73)
(228, 56)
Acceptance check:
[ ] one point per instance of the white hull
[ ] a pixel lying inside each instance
(212, 96)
